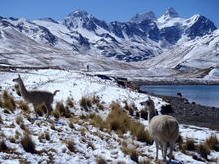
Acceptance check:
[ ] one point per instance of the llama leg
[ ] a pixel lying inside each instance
(35, 110)
(171, 152)
(49, 109)
(164, 152)
(157, 147)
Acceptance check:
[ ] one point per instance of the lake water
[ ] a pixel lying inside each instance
(202, 94)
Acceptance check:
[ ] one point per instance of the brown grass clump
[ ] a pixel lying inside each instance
(203, 150)
(56, 114)
(23, 106)
(118, 120)
(213, 143)
(100, 160)
(12, 139)
(41, 110)
(86, 103)
(1, 102)
(3, 146)
(71, 146)
(8, 101)
(130, 108)
(97, 121)
(100, 106)
(1, 120)
(28, 144)
(19, 120)
(141, 134)
(132, 152)
(70, 102)
(62, 110)
(95, 100)
(45, 135)
(189, 145)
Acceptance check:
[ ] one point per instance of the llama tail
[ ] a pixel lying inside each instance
(55, 92)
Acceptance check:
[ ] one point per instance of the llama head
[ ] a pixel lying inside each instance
(149, 104)
(17, 80)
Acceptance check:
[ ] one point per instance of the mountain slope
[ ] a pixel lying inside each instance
(195, 55)
(180, 45)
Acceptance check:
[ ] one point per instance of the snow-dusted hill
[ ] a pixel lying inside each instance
(195, 58)
(89, 142)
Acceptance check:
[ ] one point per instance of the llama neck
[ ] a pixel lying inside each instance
(23, 90)
(151, 114)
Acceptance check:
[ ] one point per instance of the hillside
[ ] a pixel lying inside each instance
(79, 133)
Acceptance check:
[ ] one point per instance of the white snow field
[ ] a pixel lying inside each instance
(90, 142)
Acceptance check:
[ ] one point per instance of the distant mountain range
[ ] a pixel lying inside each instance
(143, 37)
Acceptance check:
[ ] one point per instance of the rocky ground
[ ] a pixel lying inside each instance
(192, 113)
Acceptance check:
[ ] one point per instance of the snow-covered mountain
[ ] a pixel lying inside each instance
(141, 38)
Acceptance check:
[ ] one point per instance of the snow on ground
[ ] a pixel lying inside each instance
(90, 141)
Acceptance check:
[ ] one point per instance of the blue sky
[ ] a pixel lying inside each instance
(107, 10)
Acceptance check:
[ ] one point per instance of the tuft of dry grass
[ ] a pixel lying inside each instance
(86, 103)
(1, 102)
(212, 142)
(19, 120)
(12, 139)
(97, 121)
(119, 121)
(100, 160)
(189, 145)
(45, 135)
(130, 108)
(141, 134)
(1, 120)
(100, 106)
(3, 146)
(56, 114)
(28, 144)
(71, 146)
(8, 101)
(134, 154)
(61, 110)
(41, 110)
(70, 102)
(95, 100)
(23, 106)
(203, 150)
(148, 161)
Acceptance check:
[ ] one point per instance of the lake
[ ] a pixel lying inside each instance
(202, 94)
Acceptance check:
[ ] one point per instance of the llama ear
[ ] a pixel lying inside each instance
(19, 76)
(149, 98)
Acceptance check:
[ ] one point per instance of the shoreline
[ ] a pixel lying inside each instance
(139, 83)
(184, 111)
(192, 113)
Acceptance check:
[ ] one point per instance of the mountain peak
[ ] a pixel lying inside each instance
(79, 13)
(143, 16)
(171, 13)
